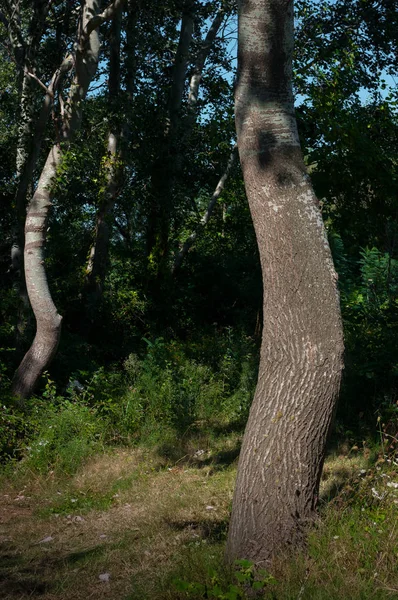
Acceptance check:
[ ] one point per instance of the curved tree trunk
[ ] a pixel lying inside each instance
(47, 318)
(48, 321)
(24, 44)
(302, 343)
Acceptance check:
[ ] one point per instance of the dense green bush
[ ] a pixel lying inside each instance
(68, 434)
(172, 386)
(369, 302)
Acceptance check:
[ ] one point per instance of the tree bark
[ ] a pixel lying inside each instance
(302, 342)
(48, 321)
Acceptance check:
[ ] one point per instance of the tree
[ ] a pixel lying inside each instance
(48, 320)
(302, 345)
(112, 166)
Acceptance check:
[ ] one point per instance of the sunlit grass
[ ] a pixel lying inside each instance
(143, 518)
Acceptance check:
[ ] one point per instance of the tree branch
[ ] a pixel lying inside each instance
(33, 76)
(66, 65)
(106, 15)
(206, 217)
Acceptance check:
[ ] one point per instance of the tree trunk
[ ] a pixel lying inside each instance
(47, 318)
(166, 164)
(197, 73)
(48, 321)
(24, 48)
(302, 342)
(112, 169)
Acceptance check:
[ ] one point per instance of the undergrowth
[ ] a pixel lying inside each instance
(167, 394)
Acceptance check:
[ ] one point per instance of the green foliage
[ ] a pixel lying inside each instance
(69, 433)
(248, 581)
(370, 311)
(170, 387)
(12, 429)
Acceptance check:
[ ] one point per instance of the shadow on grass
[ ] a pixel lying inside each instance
(20, 577)
(206, 529)
(188, 451)
(222, 459)
(26, 576)
(334, 485)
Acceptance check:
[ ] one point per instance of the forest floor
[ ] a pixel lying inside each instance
(131, 522)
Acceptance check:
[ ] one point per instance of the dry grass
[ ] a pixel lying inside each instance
(154, 512)
(141, 519)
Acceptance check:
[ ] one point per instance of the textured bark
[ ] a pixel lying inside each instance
(187, 245)
(302, 343)
(26, 164)
(48, 320)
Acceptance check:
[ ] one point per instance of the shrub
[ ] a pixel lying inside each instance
(69, 433)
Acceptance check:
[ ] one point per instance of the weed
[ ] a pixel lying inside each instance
(68, 434)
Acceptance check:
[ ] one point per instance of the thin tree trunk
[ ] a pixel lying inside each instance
(177, 133)
(112, 170)
(302, 343)
(187, 245)
(165, 166)
(48, 320)
(197, 72)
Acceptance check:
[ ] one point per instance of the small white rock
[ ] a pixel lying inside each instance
(47, 539)
(105, 577)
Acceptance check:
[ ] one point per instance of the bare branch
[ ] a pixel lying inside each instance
(33, 76)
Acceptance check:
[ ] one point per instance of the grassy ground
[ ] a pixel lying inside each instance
(132, 521)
